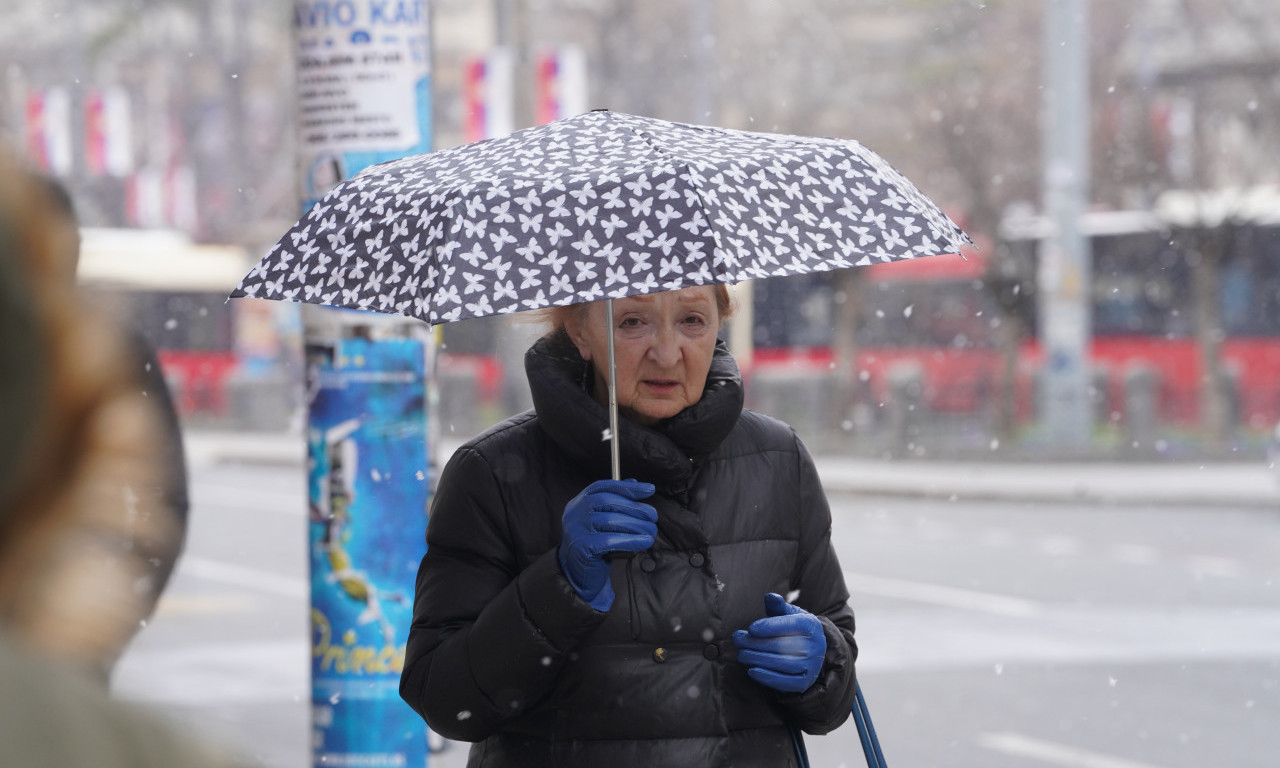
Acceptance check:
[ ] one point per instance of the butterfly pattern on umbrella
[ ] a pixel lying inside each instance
(602, 205)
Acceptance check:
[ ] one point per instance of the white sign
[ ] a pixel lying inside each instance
(358, 60)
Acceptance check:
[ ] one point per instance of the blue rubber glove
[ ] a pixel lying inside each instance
(784, 650)
(606, 517)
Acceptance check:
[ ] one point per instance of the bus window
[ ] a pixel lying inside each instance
(1140, 286)
(794, 312)
(1250, 284)
(184, 320)
(173, 292)
(923, 314)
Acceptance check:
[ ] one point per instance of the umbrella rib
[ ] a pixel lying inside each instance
(684, 165)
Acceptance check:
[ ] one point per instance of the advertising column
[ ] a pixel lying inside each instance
(364, 85)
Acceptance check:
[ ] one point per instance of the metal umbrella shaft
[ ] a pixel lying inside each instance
(614, 451)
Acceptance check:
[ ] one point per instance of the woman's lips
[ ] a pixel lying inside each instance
(661, 385)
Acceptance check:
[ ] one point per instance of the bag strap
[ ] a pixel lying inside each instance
(797, 741)
(866, 733)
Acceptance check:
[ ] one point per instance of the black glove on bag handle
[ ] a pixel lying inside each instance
(866, 733)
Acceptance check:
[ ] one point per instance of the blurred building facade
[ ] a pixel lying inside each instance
(179, 114)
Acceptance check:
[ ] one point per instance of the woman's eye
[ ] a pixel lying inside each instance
(693, 320)
(629, 322)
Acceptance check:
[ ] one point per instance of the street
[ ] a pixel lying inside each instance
(995, 634)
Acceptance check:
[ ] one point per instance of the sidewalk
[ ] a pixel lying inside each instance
(1168, 484)
(1236, 484)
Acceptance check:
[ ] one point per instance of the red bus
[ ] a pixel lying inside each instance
(173, 292)
(939, 315)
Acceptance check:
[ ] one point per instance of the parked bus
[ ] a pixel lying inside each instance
(938, 315)
(173, 292)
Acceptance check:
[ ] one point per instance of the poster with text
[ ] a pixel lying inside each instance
(368, 494)
(364, 87)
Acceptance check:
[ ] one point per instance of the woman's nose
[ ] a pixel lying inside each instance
(665, 349)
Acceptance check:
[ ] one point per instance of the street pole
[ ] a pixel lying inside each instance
(702, 43)
(702, 108)
(235, 60)
(75, 64)
(511, 32)
(363, 97)
(1064, 279)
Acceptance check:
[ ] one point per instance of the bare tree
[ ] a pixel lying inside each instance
(1234, 74)
(976, 110)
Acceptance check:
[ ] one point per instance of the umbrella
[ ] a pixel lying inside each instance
(598, 206)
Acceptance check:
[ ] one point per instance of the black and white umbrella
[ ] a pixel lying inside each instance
(599, 206)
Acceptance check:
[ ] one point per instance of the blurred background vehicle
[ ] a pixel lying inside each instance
(225, 362)
(938, 323)
(169, 116)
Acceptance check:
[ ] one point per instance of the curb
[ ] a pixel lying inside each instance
(1080, 497)
(206, 449)
(1176, 485)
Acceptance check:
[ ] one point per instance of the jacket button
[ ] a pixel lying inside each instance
(648, 565)
(697, 559)
(711, 651)
(659, 655)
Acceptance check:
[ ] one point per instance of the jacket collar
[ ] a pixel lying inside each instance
(664, 454)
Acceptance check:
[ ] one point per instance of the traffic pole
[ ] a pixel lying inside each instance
(1064, 275)
(363, 97)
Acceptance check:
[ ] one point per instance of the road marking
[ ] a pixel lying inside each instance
(290, 503)
(934, 594)
(1059, 546)
(180, 605)
(1055, 754)
(1000, 538)
(243, 576)
(1135, 554)
(216, 674)
(1210, 565)
(931, 530)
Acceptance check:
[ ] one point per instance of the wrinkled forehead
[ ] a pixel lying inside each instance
(701, 296)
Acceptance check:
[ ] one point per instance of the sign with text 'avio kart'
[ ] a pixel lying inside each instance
(368, 492)
(364, 87)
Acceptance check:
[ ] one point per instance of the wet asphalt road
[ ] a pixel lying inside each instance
(993, 634)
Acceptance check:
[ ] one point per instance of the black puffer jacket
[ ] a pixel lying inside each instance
(503, 652)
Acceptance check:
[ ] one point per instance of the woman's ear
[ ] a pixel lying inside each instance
(573, 327)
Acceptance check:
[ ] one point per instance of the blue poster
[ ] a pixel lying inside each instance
(368, 492)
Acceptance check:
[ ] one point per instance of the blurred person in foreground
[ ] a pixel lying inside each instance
(693, 616)
(166, 492)
(79, 443)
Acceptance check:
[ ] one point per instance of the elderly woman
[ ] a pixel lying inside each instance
(565, 620)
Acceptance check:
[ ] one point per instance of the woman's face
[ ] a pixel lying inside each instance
(663, 344)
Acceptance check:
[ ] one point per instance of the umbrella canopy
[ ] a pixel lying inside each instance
(599, 206)
(602, 205)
